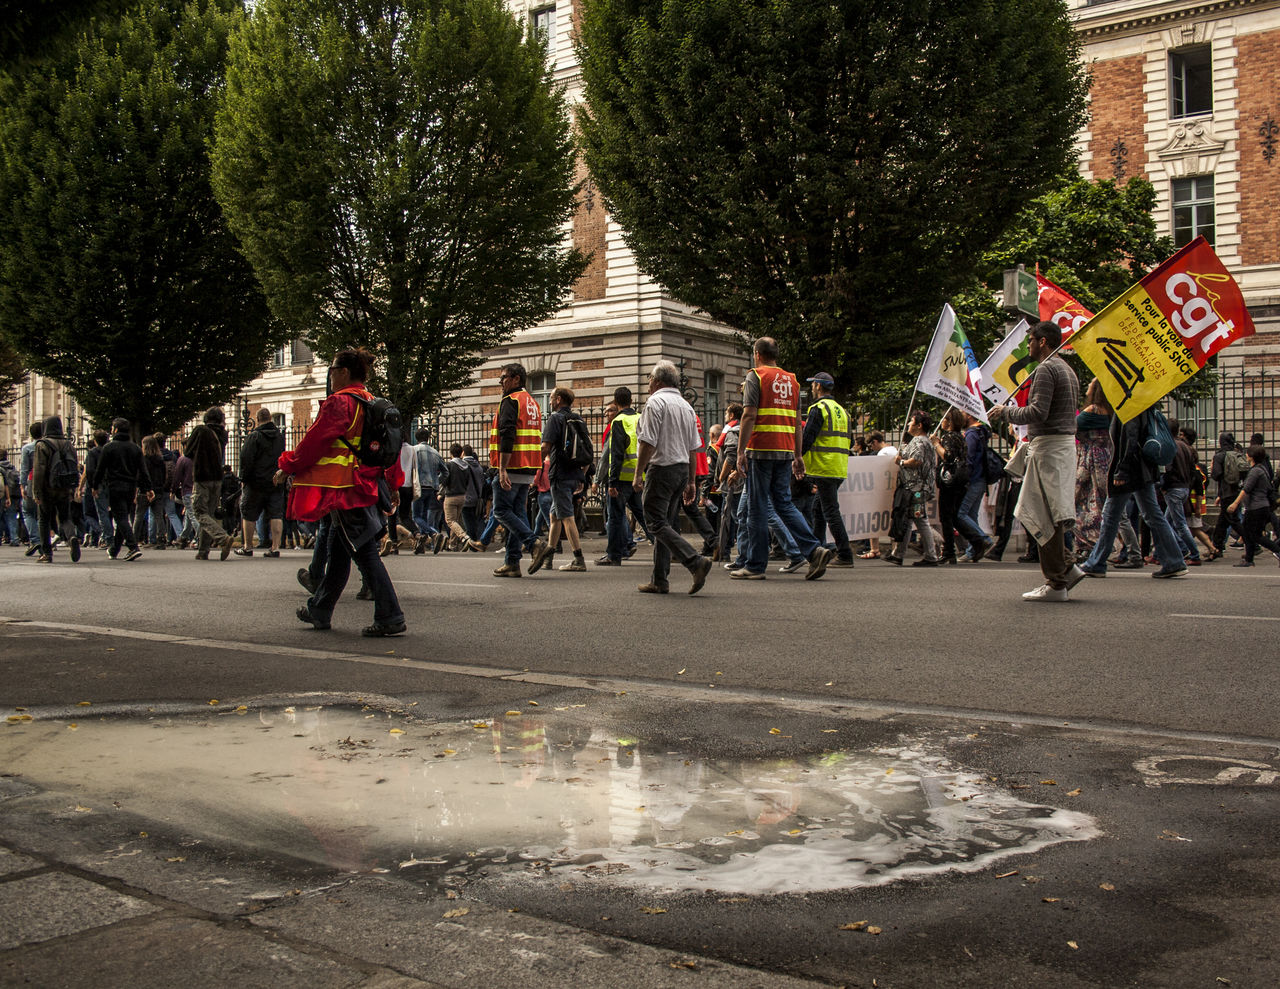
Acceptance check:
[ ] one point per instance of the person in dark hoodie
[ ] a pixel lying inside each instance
(53, 488)
(118, 470)
(260, 493)
(206, 446)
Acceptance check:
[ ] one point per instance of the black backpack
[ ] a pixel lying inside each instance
(381, 435)
(12, 483)
(576, 450)
(64, 475)
(993, 467)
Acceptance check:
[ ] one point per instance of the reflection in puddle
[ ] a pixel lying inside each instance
(537, 797)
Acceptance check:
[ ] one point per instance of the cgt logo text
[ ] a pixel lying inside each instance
(1196, 312)
(783, 389)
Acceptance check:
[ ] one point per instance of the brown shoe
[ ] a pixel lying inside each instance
(700, 568)
(508, 570)
(652, 588)
(227, 545)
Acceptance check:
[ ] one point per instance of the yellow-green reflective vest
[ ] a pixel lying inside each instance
(829, 455)
(630, 424)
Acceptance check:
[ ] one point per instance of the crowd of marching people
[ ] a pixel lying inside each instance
(1091, 491)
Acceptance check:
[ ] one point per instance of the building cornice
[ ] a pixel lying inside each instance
(1114, 20)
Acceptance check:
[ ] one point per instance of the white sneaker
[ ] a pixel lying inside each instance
(1047, 593)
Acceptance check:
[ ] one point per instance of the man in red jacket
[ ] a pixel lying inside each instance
(330, 484)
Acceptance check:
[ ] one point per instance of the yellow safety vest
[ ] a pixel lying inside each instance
(829, 455)
(630, 424)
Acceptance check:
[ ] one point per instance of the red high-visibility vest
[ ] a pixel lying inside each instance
(778, 416)
(526, 454)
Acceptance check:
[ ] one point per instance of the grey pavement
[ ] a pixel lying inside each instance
(597, 786)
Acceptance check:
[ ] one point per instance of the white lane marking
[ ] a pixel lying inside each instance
(810, 704)
(1233, 618)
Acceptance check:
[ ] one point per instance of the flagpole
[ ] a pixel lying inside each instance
(916, 388)
(1014, 394)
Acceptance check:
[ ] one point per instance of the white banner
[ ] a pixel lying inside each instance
(866, 497)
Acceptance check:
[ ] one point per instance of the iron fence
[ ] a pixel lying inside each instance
(1240, 403)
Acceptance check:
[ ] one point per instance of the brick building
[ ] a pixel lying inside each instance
(1187, 95)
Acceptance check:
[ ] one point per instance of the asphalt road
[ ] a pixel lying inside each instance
(622, 787)
(1192, 654)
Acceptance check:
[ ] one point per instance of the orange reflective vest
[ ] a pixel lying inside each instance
(526, 454)
(778, 416)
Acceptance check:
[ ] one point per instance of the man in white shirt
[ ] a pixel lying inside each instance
(668, 440)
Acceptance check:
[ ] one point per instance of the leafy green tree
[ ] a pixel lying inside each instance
(829, 173)
(12, 373)
(1093, 239)
(400, 172)
(31, 29)
(118, 275)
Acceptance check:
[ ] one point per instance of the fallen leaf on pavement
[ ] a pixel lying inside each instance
(1107, 886)
(396, 731)
(81, 809)
(1006, 875)
(84, 704)
(775, 731)
(1168, 835)
(1074, 793)
(533, 703)
(683, 963)
(1073, 946)
(652, 910)
(460, 912)
(1049, 899)
(829, 731)
(513, 714)
(680, 673)
(857, 925)
(1048, 782)
(177, 858)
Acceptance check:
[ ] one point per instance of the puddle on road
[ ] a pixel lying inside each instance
(538, 798)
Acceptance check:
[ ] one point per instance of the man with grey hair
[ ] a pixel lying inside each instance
(668, 442)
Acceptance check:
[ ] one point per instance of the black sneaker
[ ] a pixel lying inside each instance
(134, 554)
(273, 554)
(307, 618)
(376, 631)
(608, 561)
(75, 550)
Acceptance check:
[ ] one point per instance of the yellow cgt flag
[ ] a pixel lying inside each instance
(1163, 330)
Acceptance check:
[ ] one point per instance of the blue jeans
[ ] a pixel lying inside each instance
(11, 523)
(619, 531)
(423, 510)
(544, 511)
(1166, 545)
(103, 501)
(30, 517)
(1175, 503)
(769, 484)
(509, 509)
(967, 514)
